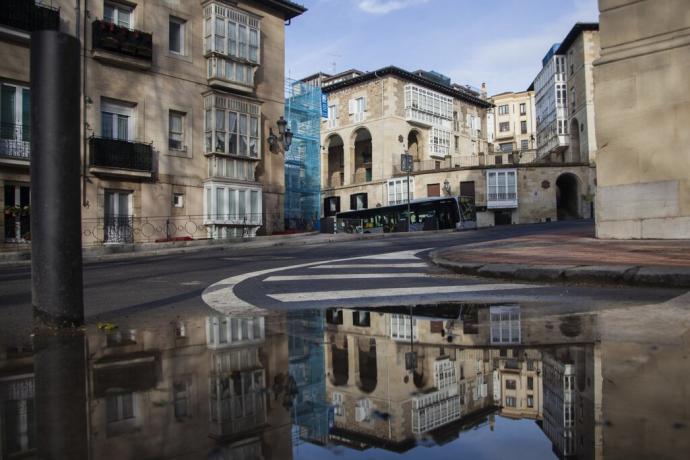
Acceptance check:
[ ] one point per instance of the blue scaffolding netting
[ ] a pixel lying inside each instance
(302, 161)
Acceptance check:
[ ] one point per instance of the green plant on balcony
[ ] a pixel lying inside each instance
(17, 211)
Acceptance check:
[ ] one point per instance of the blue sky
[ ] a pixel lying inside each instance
(500, 42)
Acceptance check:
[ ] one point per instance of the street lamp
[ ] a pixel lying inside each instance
(284, 135)
(446, 187)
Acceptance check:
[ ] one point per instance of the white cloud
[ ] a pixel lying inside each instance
(386, 6)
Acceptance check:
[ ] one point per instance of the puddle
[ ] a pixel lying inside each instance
(452, 380)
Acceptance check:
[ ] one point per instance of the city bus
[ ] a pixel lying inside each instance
(426, 214)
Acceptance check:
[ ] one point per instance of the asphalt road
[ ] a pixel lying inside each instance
(368, 272)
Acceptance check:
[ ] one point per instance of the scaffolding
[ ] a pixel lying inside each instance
(302, 161)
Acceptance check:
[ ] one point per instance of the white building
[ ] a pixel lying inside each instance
(551, 91)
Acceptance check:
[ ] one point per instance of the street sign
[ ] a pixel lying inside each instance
(406, 162)
(324, 106)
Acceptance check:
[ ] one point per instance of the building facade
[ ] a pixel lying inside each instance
(514, 123)
(178, 100)
(374, 117)
(643, 109)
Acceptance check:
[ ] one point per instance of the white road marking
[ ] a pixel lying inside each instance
(365, 266)
(221, 295)
(346, 276)
(395, 255)
(393, 292)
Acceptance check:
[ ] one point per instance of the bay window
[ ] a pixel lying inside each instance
(232, 204)
(232, 43)
(232, 126)
(501, 188)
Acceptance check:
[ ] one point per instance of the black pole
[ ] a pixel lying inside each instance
(60, 401)
(56, 266)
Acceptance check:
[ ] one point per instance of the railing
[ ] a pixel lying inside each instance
(115, 153)
(15, 141)
(361, 177)
(111, 37)
(472, 161)
(502, 196)
(27, 15)
(118, 229)
(335, 180)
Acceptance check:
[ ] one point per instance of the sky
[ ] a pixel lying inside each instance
(499, 42)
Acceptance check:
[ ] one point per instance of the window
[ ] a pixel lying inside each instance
(506, 147)
(573, 101)
(357, 108)
(523, 108)
(561, 95)
(332, 116)
(181, 400)
(118, 14)
(530, 401)
(119, 408)
(176, 130)
(505, 324)
(524, 144)
(361, 318)
(331, 206)
(397, 190)
(428, 106)
(121, 338)
(15, 121)
(511, 401)
(523, 127)
(232, 126)
(402, 327)
(117, 121)
(232, 33)
(530, 383)
(503, 109)
(224, 330)
(444, 373)
(178, 200)
(176, 35)
(511, 384)
(233, 205)
(504, 126)
(358, 201)
(180, 330)
(457, 144)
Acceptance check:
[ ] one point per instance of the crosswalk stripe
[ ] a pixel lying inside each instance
(364, 266)
(346, 276)
(391, 292)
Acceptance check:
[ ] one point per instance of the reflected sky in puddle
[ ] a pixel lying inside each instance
(451, 380)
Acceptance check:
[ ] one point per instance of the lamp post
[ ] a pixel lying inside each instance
(284, 135)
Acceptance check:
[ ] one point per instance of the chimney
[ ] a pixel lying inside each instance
(484, 90)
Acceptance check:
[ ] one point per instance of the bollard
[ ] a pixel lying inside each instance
(56, 261)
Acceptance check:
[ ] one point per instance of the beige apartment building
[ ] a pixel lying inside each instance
(514, 124)
(178, 102)
(642, 114)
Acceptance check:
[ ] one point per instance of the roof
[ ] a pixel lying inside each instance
(467, 96)
(289, 8)
(575, 32)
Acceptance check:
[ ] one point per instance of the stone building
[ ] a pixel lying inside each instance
(642, 114)
(178, 101)
(374, 117)
(514, 122)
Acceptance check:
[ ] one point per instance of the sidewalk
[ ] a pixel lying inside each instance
(574, 256)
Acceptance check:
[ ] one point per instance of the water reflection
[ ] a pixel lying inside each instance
(338, 382)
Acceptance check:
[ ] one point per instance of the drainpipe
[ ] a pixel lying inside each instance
(84, 124)
(383, 148)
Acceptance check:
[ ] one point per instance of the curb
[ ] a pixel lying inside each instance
(133, 251)
(614, 275)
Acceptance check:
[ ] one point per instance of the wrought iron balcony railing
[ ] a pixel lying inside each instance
(15, 141)
(118, 229)
(111, 37)
(115, 153)
(28, 16)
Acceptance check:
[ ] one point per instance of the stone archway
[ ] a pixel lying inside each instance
(575, 153)
(414, 145)
(363, 156)
(568, 197)
(368, 369)
(335, 161)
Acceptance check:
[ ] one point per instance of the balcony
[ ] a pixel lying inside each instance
(122, 46)
(27, 16)
(15, 144)
(114, 157)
